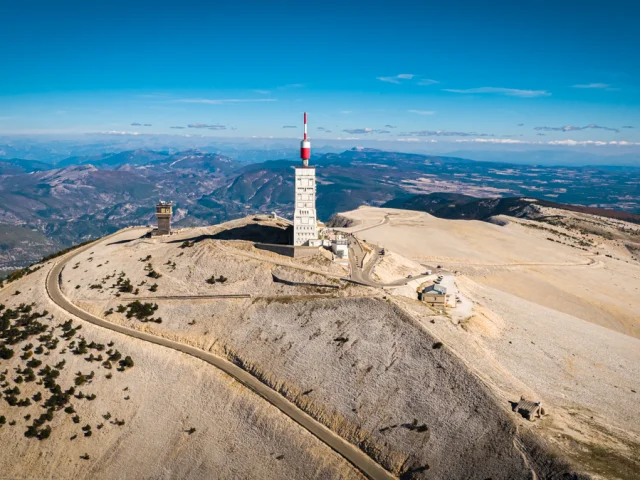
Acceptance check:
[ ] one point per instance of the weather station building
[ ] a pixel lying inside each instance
(304, 217)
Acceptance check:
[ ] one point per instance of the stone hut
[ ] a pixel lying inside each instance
(528, 409)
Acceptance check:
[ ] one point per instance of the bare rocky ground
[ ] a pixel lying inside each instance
(160, 399)
(551, 321)
(348, 356)
(424, 397)
(564, 262)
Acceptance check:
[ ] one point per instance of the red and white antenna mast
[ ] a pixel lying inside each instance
(305, 145)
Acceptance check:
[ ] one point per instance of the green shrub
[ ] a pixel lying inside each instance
(126, 363)
(5, 353)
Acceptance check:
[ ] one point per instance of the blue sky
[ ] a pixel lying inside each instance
(423, 72)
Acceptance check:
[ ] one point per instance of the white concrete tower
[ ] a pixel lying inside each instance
(304, 216)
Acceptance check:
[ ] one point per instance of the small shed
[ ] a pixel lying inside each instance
(528, 409)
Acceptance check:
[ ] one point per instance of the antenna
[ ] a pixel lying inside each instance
(305, 145)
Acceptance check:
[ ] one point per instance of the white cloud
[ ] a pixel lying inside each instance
(388, 79)
(565, 143)
(592, 85)
(489, 140)
(511, 92)
(597, 143)
(262, 92)
(346, 112)
(570, 128)
(427, 81)
(221, 101)
(204, 125)
(415, 140)
(358, 131)
(573, 143)
(114, 132)
(422, 112)
(396, 78)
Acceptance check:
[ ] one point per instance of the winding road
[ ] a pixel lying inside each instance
(363, 273)
(350, 452)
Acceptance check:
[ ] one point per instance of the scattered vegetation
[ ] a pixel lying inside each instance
(126, 363)
(21, 328)
(63, 252)
(18, 274)
(141, 311)
(213, 280)
(151, 272)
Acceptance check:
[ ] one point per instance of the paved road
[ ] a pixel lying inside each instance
(350, 452)
(384, 221)
(363, 273)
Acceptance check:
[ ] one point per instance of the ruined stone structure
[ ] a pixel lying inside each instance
(529, 409)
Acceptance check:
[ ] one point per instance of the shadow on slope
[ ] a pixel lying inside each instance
(252, 232)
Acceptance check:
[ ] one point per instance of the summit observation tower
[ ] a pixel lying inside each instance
(304, 216)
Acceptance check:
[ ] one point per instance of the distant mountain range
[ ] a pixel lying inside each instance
(89, 196)
(15, 166)
(464, 207)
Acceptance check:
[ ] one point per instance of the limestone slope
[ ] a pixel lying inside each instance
(359, 364)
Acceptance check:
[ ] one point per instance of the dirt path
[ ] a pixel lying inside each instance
(350, 452)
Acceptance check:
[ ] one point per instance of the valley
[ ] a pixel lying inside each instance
(85, 197)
